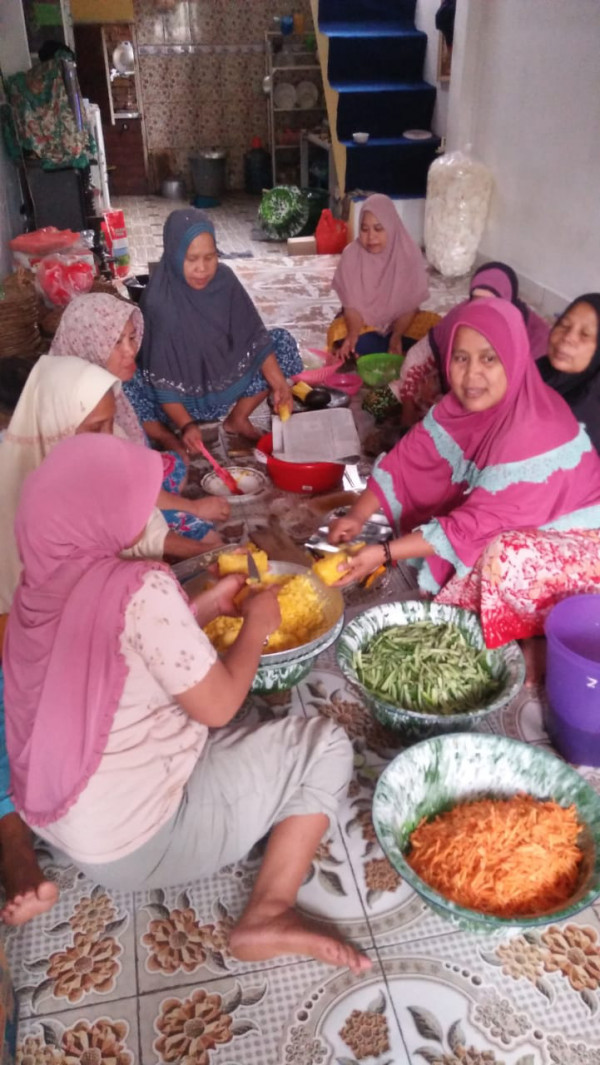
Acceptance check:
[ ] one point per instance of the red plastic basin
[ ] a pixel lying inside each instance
(303, 477)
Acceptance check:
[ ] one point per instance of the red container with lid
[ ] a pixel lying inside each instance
(302, 477)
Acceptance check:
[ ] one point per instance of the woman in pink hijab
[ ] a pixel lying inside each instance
(116, 702)
(495, 495)
(381, 281)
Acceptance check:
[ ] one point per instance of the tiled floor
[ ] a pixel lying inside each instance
(147, 979)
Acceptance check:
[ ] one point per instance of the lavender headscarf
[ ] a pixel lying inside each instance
(204, 343)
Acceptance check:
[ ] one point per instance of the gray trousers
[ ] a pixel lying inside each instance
(246, 780)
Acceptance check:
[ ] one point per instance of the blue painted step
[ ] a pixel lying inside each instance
(398, 169)
(370, 28)
(358, 59)
(384, 111)
(366, 10)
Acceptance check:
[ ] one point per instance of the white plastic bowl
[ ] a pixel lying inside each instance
(360, 138)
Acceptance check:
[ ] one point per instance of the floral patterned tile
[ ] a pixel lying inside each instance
(250, 1019)
(79, 954)
(96, 1035)
(506, 999)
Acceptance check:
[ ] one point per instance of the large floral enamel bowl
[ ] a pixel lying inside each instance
(506, 664)
(434, 775)
(277, 671)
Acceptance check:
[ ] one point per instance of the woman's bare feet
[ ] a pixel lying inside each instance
(259, 936)
(210, 508)
(237, 423)
(534, 653)
(27, 892)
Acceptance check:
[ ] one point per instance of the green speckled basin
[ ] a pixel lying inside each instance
(434, 775)
(281, 676)
(505, 662)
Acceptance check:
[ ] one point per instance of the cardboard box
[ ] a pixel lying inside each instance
(302, 246)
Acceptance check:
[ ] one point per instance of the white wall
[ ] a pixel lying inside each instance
(525, 92)
(425, 20)
(14, 56)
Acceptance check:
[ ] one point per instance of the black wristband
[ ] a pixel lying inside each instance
(387, 554)
(186, 426)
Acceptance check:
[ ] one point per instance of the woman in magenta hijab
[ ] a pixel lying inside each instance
(115, 702)
(495, 495)
(381, 281)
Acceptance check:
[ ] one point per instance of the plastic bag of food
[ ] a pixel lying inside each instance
(61, 277)
(458, 197)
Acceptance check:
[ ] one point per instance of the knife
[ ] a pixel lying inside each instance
(253, 573)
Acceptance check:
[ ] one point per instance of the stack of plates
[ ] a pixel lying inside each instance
(19, 333)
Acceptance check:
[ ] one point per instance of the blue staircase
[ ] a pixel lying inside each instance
(375, 63)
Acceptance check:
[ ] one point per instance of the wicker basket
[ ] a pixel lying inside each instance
(19, 312)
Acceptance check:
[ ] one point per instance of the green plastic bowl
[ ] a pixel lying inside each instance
(438, 773)
(380, 368)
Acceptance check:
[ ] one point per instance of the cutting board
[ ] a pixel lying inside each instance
(278, 545)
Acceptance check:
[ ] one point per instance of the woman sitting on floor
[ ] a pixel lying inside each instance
(62, 397)
(421, 382)
(572, 366)
(121, 698)
(107, 331)
(495, 495)
(381, 280)
(205, 351)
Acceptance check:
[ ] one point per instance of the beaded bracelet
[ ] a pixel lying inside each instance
(187, 425)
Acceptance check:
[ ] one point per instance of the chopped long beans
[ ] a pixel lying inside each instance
(426, 667)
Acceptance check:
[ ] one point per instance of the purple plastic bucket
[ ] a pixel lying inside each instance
(572, 715)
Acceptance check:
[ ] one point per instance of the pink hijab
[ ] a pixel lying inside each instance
(63, 668)
(89, 328)
(464, 478)
(385, 285)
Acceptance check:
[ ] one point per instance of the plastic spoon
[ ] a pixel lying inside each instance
(224, 475)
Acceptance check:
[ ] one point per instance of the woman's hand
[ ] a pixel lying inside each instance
(282, 397)
(346, 348)
(191, 438)
(362, 564)
(224, 593)
(261, 611)
(213, 509)
(395, 344)
(344, 529)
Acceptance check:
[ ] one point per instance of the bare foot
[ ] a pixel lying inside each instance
(259, 936)
(212, 539)
(243, 426)
(211, 509)
(27, 892)
(534, 653)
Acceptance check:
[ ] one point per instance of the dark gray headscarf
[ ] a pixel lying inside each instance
(204, 343)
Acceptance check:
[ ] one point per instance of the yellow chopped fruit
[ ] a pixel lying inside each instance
(301, 617)
(301, 389)
(284, 411)
(236, 561)
(326, 568)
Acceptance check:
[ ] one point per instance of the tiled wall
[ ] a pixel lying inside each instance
(201, 70)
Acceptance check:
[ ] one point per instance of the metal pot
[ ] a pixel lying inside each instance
(173, 189)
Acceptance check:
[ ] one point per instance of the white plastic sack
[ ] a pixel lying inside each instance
(458, 197)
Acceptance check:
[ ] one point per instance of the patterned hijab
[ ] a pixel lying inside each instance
(386, 285)
(58, 395)
(580, 390)
(64, 671)
(89, 329)
(465, 477)
(205, 343)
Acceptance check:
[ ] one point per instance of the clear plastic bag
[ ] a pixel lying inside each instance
(459, 189)
(61, 277)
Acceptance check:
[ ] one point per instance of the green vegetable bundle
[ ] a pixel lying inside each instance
(426, 667)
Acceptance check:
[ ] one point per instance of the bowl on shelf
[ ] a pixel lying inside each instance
(379, 368)
(506, 664)
(360, 138)
(302, 477)
(435, 775)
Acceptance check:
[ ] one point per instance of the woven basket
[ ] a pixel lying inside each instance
(19, 312)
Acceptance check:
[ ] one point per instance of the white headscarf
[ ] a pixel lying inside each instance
(58, 396)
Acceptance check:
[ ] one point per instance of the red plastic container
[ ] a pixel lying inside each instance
(303, 477)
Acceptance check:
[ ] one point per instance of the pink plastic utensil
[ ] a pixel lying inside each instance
(224, 475)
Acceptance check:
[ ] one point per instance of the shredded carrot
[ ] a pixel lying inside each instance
(506, 857)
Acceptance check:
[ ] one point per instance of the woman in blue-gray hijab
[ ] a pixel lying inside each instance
(206, 352)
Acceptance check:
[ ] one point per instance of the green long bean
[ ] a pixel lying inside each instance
(426, 667)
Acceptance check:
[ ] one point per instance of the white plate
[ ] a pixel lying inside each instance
(307, 94)
(417, 134)
(251, 482)
(284, 95)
